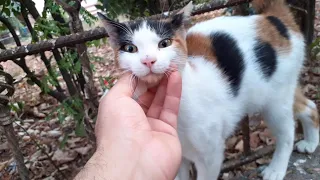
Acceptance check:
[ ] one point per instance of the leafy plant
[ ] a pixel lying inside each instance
(45, 27)
(131, 8)
(88, 17)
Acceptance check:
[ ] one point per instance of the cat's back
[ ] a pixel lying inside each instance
(249, 51)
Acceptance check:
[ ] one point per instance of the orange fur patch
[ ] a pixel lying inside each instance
(279, 9)
(267, 32)
(179, 42)
(301, 104)
(199, 45)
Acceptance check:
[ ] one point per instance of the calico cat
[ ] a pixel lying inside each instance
(230, 67)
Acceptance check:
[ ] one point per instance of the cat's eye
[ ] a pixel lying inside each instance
(165, 43)
(130, 48)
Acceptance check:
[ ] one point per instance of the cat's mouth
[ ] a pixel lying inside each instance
(152, 78)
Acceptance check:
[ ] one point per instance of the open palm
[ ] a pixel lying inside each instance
(138, 140)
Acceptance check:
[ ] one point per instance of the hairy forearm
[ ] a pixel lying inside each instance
(111, 163)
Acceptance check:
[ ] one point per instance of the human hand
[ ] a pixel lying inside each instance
(137, 140)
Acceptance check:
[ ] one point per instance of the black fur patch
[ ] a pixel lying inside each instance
(279, 25)
(177, 21)
(229, 58)
(163, 29)
(266, 57)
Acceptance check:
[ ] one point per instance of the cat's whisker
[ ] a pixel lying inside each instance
(124, 28)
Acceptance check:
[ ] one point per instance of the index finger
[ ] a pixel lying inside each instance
(124, 87)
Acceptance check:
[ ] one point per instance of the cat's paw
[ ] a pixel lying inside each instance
(304, 146)
(270, 173)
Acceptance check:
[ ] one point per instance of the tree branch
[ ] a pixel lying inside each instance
(66, 6)
(6, 22)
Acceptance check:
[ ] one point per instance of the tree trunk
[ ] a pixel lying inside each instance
(90, 93)
(309, 25)
(13, 142)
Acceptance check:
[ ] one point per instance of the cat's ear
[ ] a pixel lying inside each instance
(183, 16)
(112, 28)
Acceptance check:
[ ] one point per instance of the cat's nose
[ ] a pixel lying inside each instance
(148, 62)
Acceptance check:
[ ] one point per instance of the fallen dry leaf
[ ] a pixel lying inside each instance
(38, 114)
(54, 133)
(3, 165)
(72, 142)
(239, 146)
(263, 161)
(231, 142)
(35, 156)
(64, 156)
(254, 139)
(4, 146)
(83, 150)
(265, 135)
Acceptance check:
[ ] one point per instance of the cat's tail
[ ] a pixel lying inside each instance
(269, 6)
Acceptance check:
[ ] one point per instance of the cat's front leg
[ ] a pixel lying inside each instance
(208, 163)
(183, 173)
(279, 118)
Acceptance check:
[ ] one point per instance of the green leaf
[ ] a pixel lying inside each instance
(20, 105)
(77, 67)
(61, 116)
(6, 11)
(80, 131)
(98, 6)
(30, 82)
(14, 108)
(64, 141)
(72, 3)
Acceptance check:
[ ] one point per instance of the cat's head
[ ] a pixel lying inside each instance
(149, 48)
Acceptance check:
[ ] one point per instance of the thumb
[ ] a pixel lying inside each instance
(124, 87)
